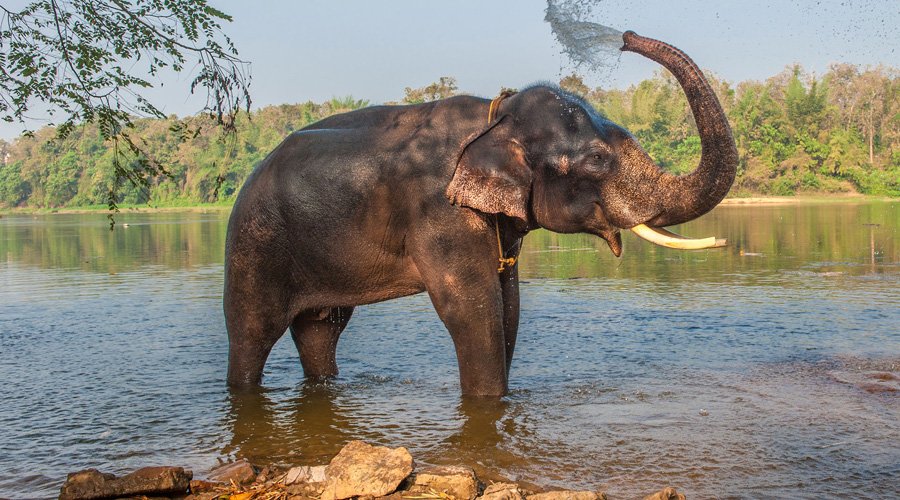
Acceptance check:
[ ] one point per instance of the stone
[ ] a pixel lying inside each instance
(666, 494)
(361, 469)
(457, 482)
(303, 491)
(268, 473)
(241, 472)
(502, 491)
(148, 481)
(306, 474)
(205, 495)
(198, 486)
(568, 495)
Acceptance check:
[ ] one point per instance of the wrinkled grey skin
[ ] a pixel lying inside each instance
(390, 201)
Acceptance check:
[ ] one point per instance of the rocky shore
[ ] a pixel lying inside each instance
(359, 471)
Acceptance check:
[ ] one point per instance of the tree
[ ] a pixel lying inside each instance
(445, 87)
(90, 59)
(872, 88)
(866, 100)
(805, 107)
(575, 84)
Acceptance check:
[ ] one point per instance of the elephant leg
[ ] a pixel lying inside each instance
(251, 336)
(509, 283)
(316, 334)
(468, 299)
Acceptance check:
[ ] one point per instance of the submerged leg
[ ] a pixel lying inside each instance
(316, 334)
(251, 336)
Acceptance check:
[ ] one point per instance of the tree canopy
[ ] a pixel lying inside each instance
(87, 61)
(441, 89)
(795, 133)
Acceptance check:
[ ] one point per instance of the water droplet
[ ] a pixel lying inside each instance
(588, 44)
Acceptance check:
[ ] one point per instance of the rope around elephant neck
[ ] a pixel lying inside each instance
(511, 261)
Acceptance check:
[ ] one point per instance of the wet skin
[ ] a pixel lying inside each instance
(390, 201)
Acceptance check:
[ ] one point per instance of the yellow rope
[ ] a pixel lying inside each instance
(511, 261)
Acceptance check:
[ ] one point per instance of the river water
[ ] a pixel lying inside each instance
(764, 369)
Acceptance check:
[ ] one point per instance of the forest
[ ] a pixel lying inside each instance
(796, 133)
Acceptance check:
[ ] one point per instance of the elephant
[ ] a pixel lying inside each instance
(394, 200)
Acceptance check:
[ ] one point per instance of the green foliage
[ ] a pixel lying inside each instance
(795, 134)
(574, 84)
(205, 167)
(13, 189)
(441, 89)
(90, 59)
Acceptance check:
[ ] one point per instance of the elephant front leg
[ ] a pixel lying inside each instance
(509, 283)
(471, 306)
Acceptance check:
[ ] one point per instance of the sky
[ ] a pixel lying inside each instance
(319, 49)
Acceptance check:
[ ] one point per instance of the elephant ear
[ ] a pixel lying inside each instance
(492, 175)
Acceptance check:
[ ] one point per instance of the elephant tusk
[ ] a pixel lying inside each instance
(669, 239)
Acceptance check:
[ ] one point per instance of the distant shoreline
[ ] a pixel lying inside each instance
(804, 199)
(217, 207)
(122, 210)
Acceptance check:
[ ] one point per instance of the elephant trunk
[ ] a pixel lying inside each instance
(679, 199)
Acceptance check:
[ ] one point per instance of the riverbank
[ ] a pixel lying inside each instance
(123, 209)
(224, 206)
(806, 199)
(359, 470)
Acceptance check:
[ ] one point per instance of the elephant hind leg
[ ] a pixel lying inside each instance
(316, 334)
(251, 336)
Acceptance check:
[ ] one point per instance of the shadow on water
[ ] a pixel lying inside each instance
(306, 425)
(310, 424)
(479, 434)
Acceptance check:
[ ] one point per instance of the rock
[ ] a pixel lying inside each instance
(568, 495)
(502, 491)
(268, 473)
(361, 469)
(89, 483)
(666, 494)
(241, 472)
(455, 481)
(148, 481)
(198, 486)
(302, 491)
(206, 495)
(306, 474)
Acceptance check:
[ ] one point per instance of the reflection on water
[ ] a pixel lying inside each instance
(765, 369)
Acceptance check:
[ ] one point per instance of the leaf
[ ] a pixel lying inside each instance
(214, 12)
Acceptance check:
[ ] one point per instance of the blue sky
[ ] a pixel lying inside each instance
(318, 49)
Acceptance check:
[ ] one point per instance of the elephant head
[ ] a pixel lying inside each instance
(549, 160)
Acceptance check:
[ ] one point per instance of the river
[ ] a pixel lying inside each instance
(762, 369)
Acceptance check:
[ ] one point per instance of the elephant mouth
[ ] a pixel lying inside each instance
(668, 239)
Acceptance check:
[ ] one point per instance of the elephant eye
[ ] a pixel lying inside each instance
(597, 157)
